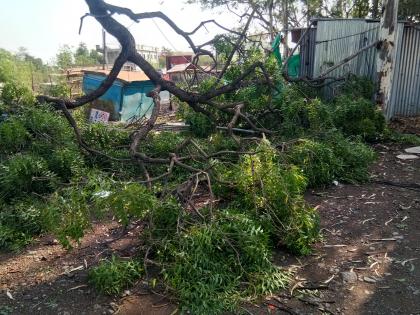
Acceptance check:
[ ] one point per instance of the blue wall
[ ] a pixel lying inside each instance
(129, 100)
(135, 102)
(92, 81)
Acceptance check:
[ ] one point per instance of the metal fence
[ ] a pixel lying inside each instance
(333, 40)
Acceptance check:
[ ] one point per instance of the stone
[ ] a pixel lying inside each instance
(407, 157)
(349, 276)
(369, 280)
(413, 150)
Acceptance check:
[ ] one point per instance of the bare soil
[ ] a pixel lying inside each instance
(370, 236)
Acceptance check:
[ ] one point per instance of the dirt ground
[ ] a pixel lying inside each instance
(368, 261)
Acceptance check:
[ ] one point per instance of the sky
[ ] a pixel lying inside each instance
(43, 26)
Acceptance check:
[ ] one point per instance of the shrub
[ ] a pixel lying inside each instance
(358, 116)
(162, 143)
(200, 125)
(274, 191)
(113, 276)
(13, 136)
(209, 263)
(332, 158)
(102, 137)
(131, 200)
(28, 173)
(317, 161)
(355, 156)
(66, 162)
(164, 219)
(19, 222)
(14, 93)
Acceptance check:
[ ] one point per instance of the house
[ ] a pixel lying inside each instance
(186, 71)
(149, 53)
(126, 100)
(173, 60)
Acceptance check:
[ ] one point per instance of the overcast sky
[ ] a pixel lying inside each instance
(42, 26)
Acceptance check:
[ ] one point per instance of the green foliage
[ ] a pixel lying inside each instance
(317, 161)
(358, 116)
(60, 89)
(19, 222)
(28, 172)
(22, 68)
(13, 136)
(208, 263)
(113, 276)
(159, 144)
(101, 137)
(390, 135)
(131, 201)
(14, 93)
(332, 158)
(164, 219)
(200, 125)
(274, 191)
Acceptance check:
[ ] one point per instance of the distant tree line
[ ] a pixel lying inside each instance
(82, 56)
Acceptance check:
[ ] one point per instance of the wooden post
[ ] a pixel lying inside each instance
(387, 52)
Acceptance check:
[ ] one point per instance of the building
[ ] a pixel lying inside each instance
(172, 61)
(126, 100)
(151, 54)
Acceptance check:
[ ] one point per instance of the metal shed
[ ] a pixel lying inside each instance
(127, 99)
(332, 40)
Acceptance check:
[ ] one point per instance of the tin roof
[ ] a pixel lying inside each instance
(125, 76)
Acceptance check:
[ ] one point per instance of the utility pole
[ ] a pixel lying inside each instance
(105, 50)
(387, 52)
(285, 27)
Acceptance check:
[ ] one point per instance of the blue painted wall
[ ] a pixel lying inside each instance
(135, 102)
(92, 81)
(129, 100)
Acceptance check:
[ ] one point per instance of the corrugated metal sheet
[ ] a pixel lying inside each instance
(307, 54)
(340, 38)
(405, 99)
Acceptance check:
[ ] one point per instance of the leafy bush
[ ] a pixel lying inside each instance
(113, 276)
(19, 222)
(358, 116)
(275, 191)
(332, 158)
(103, 137)
(130, 201)
(14, 93)
(317, 161)
(13, 136)
(208, 264)
(200, 125)
(390, 135)
(162, 143)
(355, 156)
(164, 219)
(272, 192)
(27, 172)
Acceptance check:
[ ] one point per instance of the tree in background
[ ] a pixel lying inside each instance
(22, 67)
(409, 10)
(82, 56)
(64, 57)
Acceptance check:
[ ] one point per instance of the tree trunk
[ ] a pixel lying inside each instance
(386, 53)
